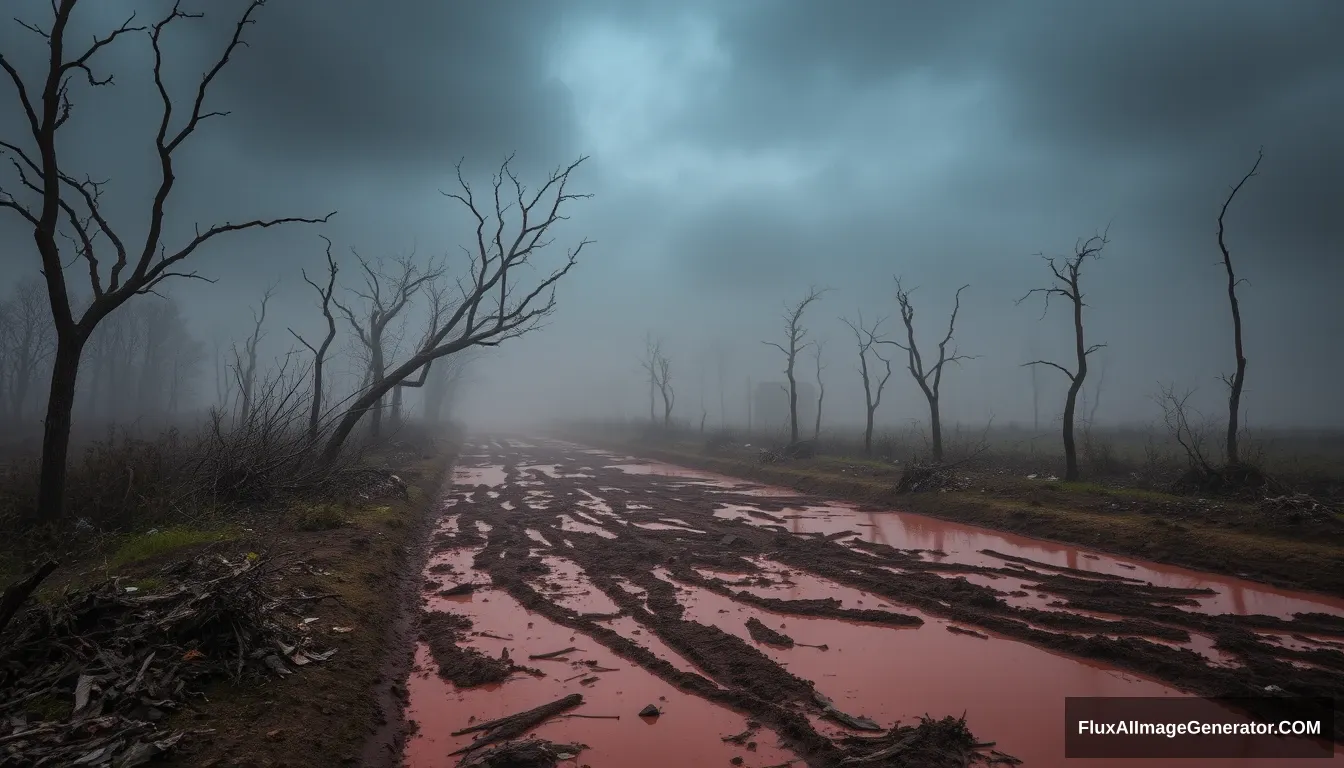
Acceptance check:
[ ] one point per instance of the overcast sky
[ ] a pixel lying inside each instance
(742, 151)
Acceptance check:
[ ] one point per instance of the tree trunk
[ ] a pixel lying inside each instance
(793, 408)
(936, 429)
(868, 433)
(816, 429)
(1238, 379)
(1070, 449)
(315, 410)
(56, 432)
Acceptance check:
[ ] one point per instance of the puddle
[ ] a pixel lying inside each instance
(688, 733)
(964, 545)
(492, 476)
(568, 523)
(666, 527)
(901, 673)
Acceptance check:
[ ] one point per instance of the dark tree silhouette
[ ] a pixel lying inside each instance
(930, 380)
(867, 339)
(324, 294)
(794, 335)
(492, 308)
(61, 206)
(1067, 274)
(1237, 380)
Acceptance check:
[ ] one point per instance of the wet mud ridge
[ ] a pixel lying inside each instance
(561, 572)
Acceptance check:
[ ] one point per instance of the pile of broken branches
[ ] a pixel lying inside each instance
(87, 678)
(1298, 507)
(920, 477)
(945, 743)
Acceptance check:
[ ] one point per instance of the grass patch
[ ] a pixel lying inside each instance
(144, 546)
(320, 517)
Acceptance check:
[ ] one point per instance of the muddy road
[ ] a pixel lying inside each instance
(769, 627)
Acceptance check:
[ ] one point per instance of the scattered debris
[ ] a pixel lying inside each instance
(552, 654)
(828, 709)
(123, 660)
(513, 726)
(945, 743)
(526, 753)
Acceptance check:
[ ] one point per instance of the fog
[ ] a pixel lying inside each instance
(740, 154)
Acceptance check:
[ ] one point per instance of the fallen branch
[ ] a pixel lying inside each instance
(512, 726)
(552, 654)
(18, 592)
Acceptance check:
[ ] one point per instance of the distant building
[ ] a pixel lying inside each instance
(770, 407)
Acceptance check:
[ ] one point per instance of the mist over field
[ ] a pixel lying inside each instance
(739, 154)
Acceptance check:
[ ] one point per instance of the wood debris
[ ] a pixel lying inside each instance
(85, 679)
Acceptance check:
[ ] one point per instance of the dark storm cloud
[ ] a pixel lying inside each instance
(1187, 89)
(349, 82)
(742, 150)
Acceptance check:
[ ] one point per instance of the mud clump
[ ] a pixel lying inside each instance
(463, 667)
(763, 634)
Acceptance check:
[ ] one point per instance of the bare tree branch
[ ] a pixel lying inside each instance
(795, 334)
(1066, 274)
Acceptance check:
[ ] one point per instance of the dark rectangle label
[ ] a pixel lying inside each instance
(1279, 727)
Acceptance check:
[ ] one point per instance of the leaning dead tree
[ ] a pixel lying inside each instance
(494, 305)
(867, 338)
(70, 223)
(319, 352)
(1237, 380)
(794, 335)
(244, 365)
(385, 294)
(821, 385)
(929, 378)
(1067, 274)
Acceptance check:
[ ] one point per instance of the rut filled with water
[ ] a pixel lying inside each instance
(770, 628)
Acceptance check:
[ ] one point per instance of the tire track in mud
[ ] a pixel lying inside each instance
(1118, 621)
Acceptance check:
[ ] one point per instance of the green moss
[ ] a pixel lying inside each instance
(144, 546)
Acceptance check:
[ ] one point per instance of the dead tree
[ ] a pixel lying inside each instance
(385, 296)
(1237, 380)
(1067, 284)
(491, 309)
(62, 207)
(821, 386)
(319, 352)
(662, 377)
(653, 350)
(794, 335)
(930, 379)
(245, 361)
(443, 385)
(26, 342)
(867, 338)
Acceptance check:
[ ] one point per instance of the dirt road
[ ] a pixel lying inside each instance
(741, 611)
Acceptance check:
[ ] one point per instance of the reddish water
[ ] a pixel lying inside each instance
(489, 475)
(1013, 693)
(687, 734)
(963, 544)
